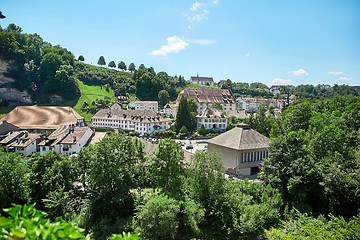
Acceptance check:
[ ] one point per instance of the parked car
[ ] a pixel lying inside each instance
(189, 147)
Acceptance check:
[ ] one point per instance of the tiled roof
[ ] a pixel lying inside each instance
(27, 140)
(36, 117)
(241, 137)
(141, 116)
(212, 112)
(11, 136)
(201, 79)
(239, 114)
(64, 135)
(207, 95)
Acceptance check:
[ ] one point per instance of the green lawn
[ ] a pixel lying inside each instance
(89, 94)
(199, 86)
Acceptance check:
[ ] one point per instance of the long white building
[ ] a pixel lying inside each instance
(141, 121)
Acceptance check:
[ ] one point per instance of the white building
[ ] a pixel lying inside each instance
(212, 117)
(171, 110)
(202, 80)
(147, 105)
(67, 140)
(141, 121)
(28, 145)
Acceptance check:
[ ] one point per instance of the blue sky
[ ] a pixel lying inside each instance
(273, 42)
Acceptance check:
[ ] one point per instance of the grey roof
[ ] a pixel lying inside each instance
(207, 95)
(201, 79)
(239, 114)
(212, 112)
(6, 127)
(241, 137)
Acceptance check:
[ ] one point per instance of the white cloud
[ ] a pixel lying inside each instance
(344, 79)
(281, 80)
(195, 6)
(174, 45)
(203, 41)
(300, 72)
(336, 73)
(216, 1)
(197, 17)
(247, 54)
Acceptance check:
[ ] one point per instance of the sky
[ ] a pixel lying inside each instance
(273, 42)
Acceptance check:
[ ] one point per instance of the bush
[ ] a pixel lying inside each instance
(157, 219)
(184, 130)
(202, 130)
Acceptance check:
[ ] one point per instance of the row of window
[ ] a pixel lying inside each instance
(213, 120)
(118, 121)
(254, 156)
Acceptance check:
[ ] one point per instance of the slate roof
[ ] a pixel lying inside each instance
(241, 137)
(6, 127)
(212, 112)
(207, 95)
(41, 117)
(239, 114)
(139, 116)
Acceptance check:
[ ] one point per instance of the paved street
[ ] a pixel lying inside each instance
(196, 144)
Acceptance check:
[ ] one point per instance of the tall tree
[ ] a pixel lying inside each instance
(132, 67)
(14, 179)
(81, 58)
(183, 116)
(112, 64)
(101, 61)
(122, 66)
(163, 97)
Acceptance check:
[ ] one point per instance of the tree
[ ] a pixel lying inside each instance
(122, 66)
(101, 61)
(163, 97)
(13, 179)
(157, 219)
(112, 64)
(81, 58)
(166, 167)
(142, 67)
(132, 67)
(50, 172)
(109, 167)
(183, 117)
(202, 130)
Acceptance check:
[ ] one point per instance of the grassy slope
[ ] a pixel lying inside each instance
(199, 86)
(89, 94)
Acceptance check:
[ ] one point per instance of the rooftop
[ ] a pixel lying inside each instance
(143, 116)
(40, 117)
(201, 79)
(241, 137)
(207, 95)
(212, 112)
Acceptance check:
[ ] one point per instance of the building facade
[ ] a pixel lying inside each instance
(147, 106)
(212, 118)
(202, 80)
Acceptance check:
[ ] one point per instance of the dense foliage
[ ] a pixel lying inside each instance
(303, 227)
(315, 158)
(37, 66)
(317, 92)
